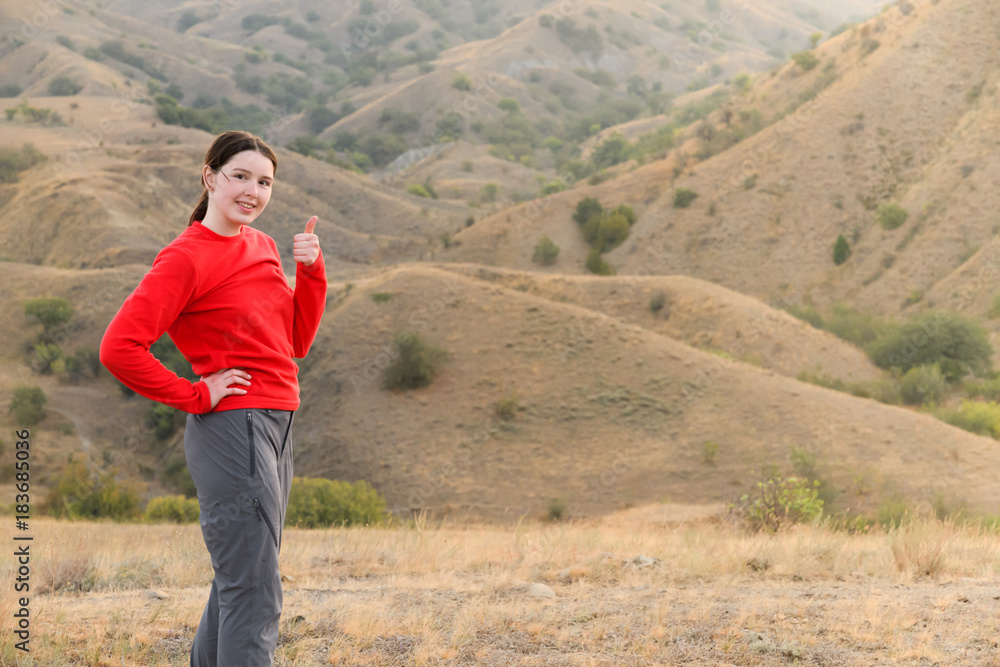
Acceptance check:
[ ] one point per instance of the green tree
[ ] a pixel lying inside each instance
(596, 264)
(509, 104)
(683, 197)
(489, 192)
(546, 252)
(891, 216)
(64, 86)
(960, 345)
(611, 232)
(805, 59)
(841, 250)
(461, 82)
(587, 209)
(417, 364)
(52, 312)
(28, 405)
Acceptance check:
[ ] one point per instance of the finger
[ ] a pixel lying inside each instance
(311, 224)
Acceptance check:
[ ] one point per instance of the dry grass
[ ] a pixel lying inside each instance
(452, 594)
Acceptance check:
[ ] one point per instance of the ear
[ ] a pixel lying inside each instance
(208, 178)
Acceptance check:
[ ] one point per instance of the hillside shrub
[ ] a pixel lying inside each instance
(546, 252)
(321, 503)
(891, 216)
(611, 232)
(14, 161)
(461, 82)
(657, 301)
(596, 264)
(683, 197)
(64, 86)
(28, 405)
(52, 312)
(418, 190)
(855, 327)
(489, 192)
(805, 59)
(960, 345)
(988, 389)
(80, 494)
(161, 419)
(777, 502)
(974, 416)
(923, 384)
(417, 364)
(841, 250)
(586, 209)
(174, 509)
(177, 475)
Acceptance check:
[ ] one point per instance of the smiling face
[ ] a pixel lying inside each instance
(238, 191)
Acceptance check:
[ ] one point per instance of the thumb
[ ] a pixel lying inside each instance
(311, 224)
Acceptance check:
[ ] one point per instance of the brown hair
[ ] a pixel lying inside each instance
(222, 150)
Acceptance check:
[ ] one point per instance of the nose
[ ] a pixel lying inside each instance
(252, 188)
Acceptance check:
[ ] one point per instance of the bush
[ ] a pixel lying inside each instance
(509, 104)
(52, 312)
(841, 250)
(78, 494)
(854, 326)
(255, 22)
(923, 384)
(683, 197)
(162, 419)
(611, 232)
(418, 190)
(13, 162)
(461, 82)
(657, 301)
(506, 407)
(10, 90)
(891, 216)
(805, 59)
(489, 192)
(28, 405)
(177, 475)
(320, 503)
(177, 509)
(586, 209)
(596, 264)
(778, 502)
(546, 252)
(63, 86)
(417, 364)
(958, 344)
(974, 416)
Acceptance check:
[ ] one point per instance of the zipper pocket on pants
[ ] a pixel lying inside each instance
(261, 512)
(253, 457)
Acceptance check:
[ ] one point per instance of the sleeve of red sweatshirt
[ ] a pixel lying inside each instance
(146, 314)
(310, 301)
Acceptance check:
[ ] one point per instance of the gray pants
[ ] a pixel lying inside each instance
(241, 463)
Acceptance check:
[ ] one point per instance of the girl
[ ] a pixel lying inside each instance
(219, 290)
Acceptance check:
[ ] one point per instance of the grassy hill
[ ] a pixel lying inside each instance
(838, 140)
(673, 379)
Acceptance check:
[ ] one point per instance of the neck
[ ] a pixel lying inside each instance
(220, 225)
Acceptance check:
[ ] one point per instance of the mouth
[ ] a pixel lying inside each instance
(245, 206)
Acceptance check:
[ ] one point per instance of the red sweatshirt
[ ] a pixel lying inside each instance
(225, 302)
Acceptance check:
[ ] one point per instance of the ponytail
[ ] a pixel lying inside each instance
(200, 210)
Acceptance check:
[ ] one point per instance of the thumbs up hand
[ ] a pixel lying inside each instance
(306, 246)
